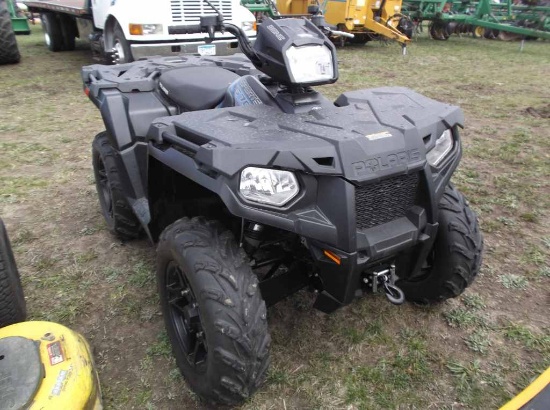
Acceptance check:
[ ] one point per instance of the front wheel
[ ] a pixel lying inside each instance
(213, 311)
(455, 259)
(122, 52)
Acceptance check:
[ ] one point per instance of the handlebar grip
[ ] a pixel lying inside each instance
(341, 33)
(194, 29)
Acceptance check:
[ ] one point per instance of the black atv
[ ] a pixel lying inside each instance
(255, 186)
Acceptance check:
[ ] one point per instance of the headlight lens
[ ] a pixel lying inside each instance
(248, 25)
(443, 146)
(145, 29)
(268, 186)
(310, 64)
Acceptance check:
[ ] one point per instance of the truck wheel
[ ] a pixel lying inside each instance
(120, 218)
(9, 53)
(213, 310)
(52, 31)
(121, 48)
(12, 302)
(68, 32)
(456, 256)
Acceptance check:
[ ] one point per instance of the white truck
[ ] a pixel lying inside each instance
(121, 31)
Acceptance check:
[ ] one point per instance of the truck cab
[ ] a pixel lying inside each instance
(125, 30)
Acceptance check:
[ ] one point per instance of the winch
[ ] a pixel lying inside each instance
(385, 280)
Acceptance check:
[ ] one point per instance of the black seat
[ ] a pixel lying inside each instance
(196, 88)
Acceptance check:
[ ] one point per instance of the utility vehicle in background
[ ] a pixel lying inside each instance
(126, 30)
(255, 185)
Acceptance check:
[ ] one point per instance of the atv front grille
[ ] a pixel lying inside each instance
(189, 11)
(384, 201)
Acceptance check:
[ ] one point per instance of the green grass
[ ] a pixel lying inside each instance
(520, 333)
(473, 301)
(463, 318)
(473, 352)
(512, 281)
(478, 342)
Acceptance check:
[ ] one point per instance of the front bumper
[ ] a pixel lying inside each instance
(223, 48)
(340, 281)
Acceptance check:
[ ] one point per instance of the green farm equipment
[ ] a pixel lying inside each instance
(483, 19)
(262, 8)
(19, 23)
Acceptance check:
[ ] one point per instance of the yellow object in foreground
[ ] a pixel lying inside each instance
(536, 396)
(45, 365)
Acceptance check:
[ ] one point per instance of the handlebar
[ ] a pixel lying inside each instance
(213, 24)
(244, 42)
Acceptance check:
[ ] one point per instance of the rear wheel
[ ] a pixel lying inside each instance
(213, 310)
(12, 302)
(120, 218)
(456, 256)
(68, 32)
(53, 37)
(9, 52)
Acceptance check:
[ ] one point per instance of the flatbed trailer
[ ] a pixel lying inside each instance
(77, 8)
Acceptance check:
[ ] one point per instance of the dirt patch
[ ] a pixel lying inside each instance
(541, 112)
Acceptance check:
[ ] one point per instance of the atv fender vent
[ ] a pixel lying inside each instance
(325, 161)
(384, 201)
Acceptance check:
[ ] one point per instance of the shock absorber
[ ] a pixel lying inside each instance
(251, 235)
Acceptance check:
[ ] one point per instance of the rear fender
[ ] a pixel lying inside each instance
(131, 159)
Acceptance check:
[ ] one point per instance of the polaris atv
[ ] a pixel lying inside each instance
(255, 186)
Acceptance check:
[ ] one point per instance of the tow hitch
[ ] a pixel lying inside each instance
(385, 279)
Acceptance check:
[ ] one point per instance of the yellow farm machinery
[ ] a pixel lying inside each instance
(366, 19)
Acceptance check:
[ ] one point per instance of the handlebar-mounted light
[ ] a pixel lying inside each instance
(295, 52)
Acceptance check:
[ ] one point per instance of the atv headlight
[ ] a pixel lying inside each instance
(310, 64)
(443, 146)
(268, 186)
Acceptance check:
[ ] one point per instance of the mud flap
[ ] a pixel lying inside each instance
(132, 168)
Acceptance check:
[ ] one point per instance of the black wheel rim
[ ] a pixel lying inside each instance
(184, 317)
(104, 188)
